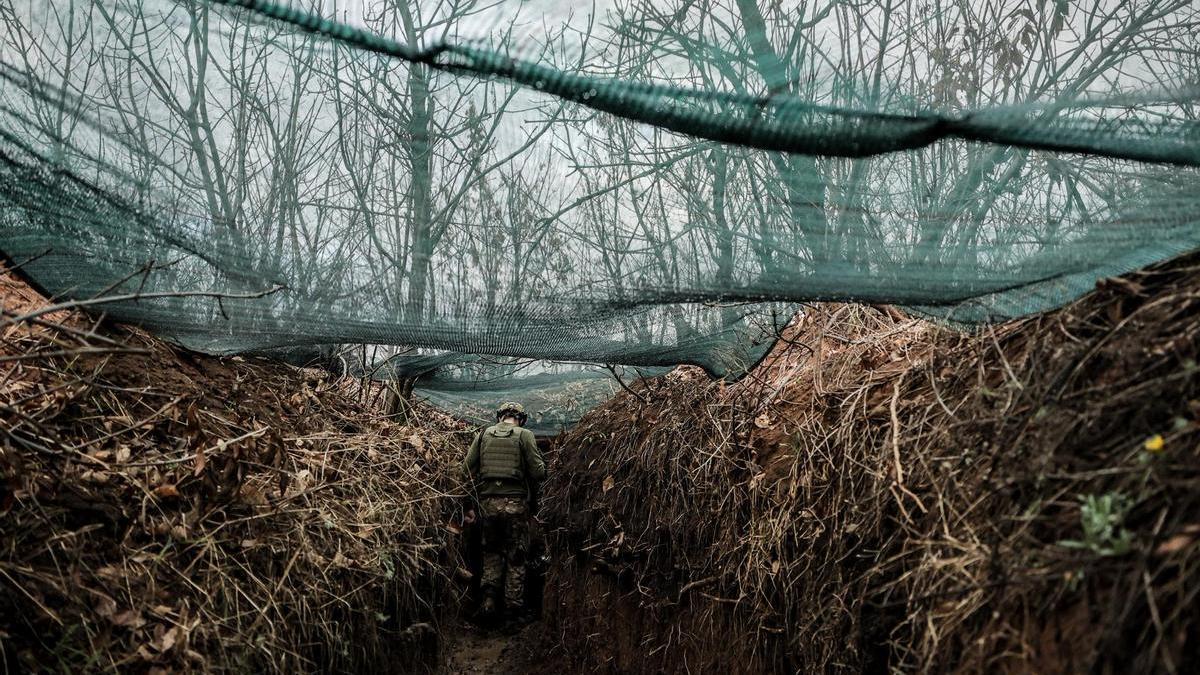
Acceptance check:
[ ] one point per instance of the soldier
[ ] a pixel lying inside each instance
(505, 465)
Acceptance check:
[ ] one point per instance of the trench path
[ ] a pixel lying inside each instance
(476, 651)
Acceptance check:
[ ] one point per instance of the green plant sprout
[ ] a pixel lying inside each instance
(1102, 518)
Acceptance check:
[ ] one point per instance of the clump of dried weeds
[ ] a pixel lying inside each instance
(882, 493)
(161, 510)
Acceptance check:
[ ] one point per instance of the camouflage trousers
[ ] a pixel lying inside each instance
(505, 546)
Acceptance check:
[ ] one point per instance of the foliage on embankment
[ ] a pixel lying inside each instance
(885, 494)
(160, 509)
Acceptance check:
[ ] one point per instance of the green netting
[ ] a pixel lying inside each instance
(556, 395)
(620, 182)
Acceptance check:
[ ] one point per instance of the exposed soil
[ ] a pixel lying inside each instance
(509, 651)
(161, 509)
(135, 402)
(883, 494)
(880, 494)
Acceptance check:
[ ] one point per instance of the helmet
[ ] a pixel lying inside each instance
(512, 408)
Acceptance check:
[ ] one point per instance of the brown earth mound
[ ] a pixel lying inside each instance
(164, 510)
(883, 494)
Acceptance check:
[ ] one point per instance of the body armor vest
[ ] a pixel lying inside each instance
(500, 454)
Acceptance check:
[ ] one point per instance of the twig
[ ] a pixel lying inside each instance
(621, 382)
(220, 444)
(73, 352)
(76, 304)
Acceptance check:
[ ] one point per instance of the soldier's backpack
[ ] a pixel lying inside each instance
(500, 455)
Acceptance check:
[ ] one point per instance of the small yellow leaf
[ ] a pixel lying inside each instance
(608, 484)
(1154, 444)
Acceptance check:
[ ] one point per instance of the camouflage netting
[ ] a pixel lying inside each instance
(625, 182)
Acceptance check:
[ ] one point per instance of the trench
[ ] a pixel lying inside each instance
(882, 495)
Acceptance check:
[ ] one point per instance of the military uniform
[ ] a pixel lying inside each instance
(504, 462)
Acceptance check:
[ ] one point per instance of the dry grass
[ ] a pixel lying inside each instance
(883, 494)
(162, 510)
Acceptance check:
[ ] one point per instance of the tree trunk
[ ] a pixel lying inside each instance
(420, 158)
(804, 189)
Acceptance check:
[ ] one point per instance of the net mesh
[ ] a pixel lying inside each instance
(622, 182)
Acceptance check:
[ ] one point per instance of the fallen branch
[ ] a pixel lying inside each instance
(79, 304)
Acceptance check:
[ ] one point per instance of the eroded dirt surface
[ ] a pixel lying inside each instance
(149, 493)
(479, 651)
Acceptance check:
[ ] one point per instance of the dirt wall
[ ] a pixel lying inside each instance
(883, 494)
(166, 511)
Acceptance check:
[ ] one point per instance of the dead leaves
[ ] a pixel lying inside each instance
(1178, 542)
(303, 397)
(201, 462)
(130, 618)
(171, 468)
(300, 481)
(251, 495)
(166, 491)
(95, 477)
(416, 441)
(165, 638)
(169, 631)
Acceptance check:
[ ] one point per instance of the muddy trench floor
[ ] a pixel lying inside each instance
(475, 650)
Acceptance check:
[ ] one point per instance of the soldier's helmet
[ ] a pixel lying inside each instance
(512, 408)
